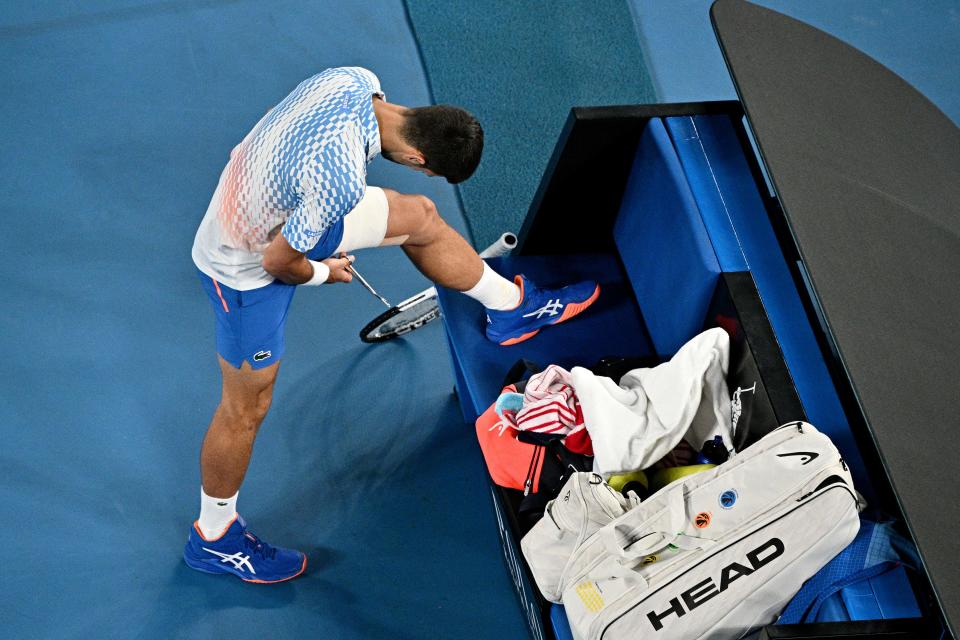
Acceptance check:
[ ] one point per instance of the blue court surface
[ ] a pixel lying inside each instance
(118, 116)
(118, 120)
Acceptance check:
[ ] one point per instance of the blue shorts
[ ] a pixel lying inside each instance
(250, 324)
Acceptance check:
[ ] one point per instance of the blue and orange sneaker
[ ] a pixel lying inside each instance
(537, 309)
(244, 555)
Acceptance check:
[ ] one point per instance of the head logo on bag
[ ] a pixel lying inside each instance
(702, 520)
(707, 589)
(805, 456)
(728, 498)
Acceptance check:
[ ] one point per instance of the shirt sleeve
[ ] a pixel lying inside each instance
(334, 186)
(365, 79)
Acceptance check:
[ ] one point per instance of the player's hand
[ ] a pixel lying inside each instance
(339, 268)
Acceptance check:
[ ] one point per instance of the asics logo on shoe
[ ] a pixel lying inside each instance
(552, 308)
(238, 559)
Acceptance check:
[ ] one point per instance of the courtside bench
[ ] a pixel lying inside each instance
(667, 207)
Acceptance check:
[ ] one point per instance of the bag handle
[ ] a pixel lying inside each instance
(619, 543)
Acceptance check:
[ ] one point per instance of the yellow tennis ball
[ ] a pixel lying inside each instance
(618, 481)
(663, 477)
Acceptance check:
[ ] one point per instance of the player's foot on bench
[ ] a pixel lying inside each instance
(537, 309)
(242, 554)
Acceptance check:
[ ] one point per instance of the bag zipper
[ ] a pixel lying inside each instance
(773, 503)
(532, 469)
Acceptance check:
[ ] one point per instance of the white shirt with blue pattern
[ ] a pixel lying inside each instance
(302, 168)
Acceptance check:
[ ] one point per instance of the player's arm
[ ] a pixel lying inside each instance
(286, 256)
(288, 265)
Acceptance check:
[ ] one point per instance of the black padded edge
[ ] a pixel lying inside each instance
(755, 357)
(903, 629)
(584, 181)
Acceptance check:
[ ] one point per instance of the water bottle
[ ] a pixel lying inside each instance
(713, 452)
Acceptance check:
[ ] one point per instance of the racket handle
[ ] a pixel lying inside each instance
(504, 245)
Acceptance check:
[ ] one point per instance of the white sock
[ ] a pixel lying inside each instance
(494, 291)
(216, 514)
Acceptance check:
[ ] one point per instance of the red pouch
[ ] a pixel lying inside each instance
(512, 464)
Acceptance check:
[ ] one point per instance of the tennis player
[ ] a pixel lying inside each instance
(291, 204)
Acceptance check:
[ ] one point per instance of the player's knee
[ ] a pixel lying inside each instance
(246, 414)
(429, 220)
(264, 399)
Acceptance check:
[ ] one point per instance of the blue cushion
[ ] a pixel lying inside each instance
(714, 181)
(611, 327)
(561, 626)
(664, 245)
(781, 300)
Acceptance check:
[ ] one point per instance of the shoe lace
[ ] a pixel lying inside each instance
(258, 546)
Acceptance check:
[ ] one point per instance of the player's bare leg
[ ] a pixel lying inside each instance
(516, 311)
(437, 250)
(244, 402)
(226, 545)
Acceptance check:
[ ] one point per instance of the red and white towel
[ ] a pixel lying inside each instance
(550, 406)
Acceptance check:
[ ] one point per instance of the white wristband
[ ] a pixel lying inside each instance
(320, 273)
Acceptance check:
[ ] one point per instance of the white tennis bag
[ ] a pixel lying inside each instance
(719, 552)
(584, 504)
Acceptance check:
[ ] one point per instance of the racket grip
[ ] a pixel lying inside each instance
(504, 245)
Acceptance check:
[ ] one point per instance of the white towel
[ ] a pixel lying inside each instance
(635, 424)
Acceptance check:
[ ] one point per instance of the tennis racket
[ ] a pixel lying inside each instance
(417, 310)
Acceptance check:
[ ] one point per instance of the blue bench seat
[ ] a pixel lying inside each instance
(613, 326)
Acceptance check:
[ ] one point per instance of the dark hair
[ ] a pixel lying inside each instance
(450, 139)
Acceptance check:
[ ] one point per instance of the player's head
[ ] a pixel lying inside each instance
(448, 139)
